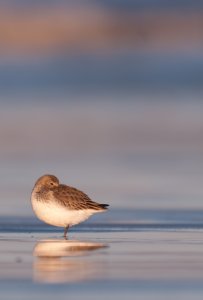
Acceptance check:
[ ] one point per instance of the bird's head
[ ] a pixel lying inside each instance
(48, 181)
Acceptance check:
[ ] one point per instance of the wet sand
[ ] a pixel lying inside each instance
(149, 264)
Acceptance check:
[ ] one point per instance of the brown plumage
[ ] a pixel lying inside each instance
(74, 199)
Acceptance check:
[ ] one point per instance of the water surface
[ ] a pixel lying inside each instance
(149, 263)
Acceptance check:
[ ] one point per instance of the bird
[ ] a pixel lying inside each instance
(61, 205)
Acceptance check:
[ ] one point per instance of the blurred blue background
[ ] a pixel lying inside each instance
(106, 95)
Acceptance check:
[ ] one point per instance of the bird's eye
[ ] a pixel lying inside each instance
(51, 183)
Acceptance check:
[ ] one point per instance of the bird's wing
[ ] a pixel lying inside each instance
(74, 199)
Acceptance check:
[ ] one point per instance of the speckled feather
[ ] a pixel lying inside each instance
(74, 199)
(69, 197)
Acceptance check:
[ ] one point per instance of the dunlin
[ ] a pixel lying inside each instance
(61, 205)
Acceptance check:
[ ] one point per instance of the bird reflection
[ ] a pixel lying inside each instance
(66, 261)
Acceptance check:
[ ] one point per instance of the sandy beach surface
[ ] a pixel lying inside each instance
(97, 262)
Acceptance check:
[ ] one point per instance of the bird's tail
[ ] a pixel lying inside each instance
(104, 206)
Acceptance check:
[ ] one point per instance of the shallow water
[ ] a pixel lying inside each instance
(147, 263)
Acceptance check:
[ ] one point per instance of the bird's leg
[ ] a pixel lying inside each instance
(65, 232)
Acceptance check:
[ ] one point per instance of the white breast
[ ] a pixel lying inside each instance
(54, 214)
